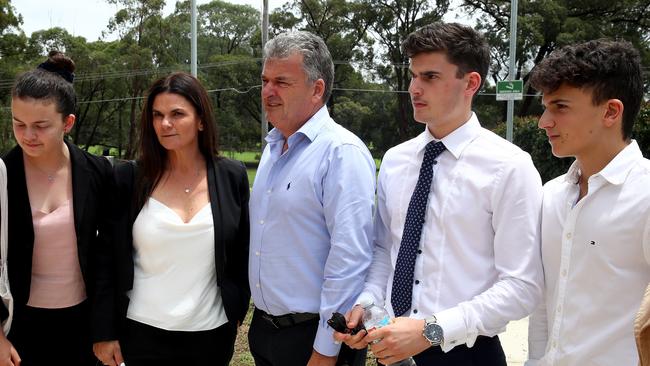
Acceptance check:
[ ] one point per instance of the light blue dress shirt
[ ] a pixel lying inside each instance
(311, 223)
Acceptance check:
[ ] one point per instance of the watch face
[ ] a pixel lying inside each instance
(433, 333)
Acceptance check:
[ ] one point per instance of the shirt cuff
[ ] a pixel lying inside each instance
(367, 298)
(454, 331)
(324, 342)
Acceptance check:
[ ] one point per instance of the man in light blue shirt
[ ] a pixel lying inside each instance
(311, 211)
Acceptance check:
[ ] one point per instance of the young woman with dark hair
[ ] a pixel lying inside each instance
(59, 215)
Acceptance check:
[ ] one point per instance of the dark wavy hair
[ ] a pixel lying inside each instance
(51, 80)
(465, 47)
(152, 156)
(609, 69)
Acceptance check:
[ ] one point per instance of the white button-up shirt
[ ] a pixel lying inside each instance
(596, 256)
(480, 264)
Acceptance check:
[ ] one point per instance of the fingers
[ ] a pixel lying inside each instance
(15, 358)
(359, 340)
(377, 334)
(117, 355)
(354, 317)
(109, 353)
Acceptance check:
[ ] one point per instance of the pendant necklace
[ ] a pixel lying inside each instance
(50, 176)
(188, 188)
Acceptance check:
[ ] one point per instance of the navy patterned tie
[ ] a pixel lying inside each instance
(403, 280)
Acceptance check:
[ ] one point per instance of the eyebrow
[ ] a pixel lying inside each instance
(556, 101)
(36, 122)
(153, 110)
(428, 73)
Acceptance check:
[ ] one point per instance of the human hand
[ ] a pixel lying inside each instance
(398, 341)
(8, 354)
(356, 341)
(109, 353)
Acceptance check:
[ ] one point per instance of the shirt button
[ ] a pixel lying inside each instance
(559, 309)
(564, 272)
(415, 311)
(257, 285)
(417, 282)
(257, 253)
(261, 222)
(419, 251)
(568, 235)
(269, 191)
(554, 344)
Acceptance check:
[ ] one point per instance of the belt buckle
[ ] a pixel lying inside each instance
(271, 320)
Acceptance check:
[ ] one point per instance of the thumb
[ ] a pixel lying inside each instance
(117, 356)
(355, 316)
(15, 358)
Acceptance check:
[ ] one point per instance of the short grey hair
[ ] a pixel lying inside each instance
(316, 58)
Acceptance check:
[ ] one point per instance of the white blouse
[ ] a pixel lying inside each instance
(175, 280)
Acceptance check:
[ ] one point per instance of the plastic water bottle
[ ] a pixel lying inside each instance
(376, 317)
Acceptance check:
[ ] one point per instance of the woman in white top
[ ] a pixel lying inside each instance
(182, 255)
(59, 216)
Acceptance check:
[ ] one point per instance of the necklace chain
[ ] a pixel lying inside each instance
(50, 176)
(188, 188)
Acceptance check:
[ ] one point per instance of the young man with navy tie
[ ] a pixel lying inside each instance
(457, 223)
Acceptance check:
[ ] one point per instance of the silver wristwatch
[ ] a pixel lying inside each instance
(432, 331)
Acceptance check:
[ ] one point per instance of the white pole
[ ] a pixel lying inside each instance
(265, 37)
(512, 71)
(193, 52)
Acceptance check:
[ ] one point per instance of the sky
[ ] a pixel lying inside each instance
(88, 18)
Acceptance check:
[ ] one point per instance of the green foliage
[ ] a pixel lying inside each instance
(641, 131)
(533, 140)
(543, 26)
(364, 38)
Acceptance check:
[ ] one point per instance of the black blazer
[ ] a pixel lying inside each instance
(92, 187)
(229, 191)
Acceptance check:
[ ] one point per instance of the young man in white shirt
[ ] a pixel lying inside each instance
(596, 217)
(469, 226)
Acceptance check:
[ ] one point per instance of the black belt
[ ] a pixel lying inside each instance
(287, 320)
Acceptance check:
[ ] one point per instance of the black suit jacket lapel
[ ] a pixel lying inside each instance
(80, 186)
(21, 228)
(215, 178)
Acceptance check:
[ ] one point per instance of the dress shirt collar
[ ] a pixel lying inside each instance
(310, 129)
(457, 140)
(616, 171)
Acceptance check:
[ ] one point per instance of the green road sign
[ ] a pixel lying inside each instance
(510, 90)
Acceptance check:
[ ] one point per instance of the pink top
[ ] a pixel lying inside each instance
(56, 276)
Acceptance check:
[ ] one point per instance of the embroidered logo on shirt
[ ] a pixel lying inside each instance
(288, 186)
(592, 242)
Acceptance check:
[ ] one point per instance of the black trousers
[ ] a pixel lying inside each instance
(487, 351)
(52, 336)
(291, 346)
(144, 345)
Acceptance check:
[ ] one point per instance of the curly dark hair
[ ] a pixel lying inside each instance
(465, 47)
(610, 69)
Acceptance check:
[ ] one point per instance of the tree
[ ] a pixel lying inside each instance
(143, 44)
(343, 28)
(228, 28)
(392, 21)
(544, 25)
